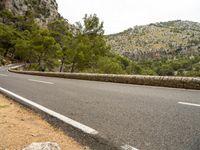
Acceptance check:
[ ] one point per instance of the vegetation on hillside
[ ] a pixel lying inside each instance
(158, 40)
(59, 48)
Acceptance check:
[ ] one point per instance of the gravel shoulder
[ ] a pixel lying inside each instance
(20, 127)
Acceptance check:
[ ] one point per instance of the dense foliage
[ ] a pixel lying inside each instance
(59, 48)
(47, 48)
(178, 66)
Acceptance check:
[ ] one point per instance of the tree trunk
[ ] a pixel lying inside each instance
(39, 61)
(6, 52)
(73, 66)
(62, 64)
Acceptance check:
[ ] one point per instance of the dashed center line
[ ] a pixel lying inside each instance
(4, 75)
(190, 104)
(40, 81)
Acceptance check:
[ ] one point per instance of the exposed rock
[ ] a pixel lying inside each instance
(44, 11)
(164, 39)
(43, 146)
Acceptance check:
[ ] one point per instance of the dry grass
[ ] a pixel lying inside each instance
(20, 127)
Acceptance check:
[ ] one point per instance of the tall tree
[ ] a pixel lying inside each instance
(60, 30)
(7, 35)
(89, 43)
(24, 49)
(47, 49)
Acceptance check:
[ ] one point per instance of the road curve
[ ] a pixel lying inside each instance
(130, 116)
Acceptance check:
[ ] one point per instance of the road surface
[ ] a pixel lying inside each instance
(130, 116)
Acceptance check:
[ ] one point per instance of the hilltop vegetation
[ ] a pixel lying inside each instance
(159, 40)
(165, 48)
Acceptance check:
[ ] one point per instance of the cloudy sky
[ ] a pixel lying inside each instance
(119, 15)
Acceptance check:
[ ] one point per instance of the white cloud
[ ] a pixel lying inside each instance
(119, 15)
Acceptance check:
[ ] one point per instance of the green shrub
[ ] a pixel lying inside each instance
(109, 66)
(133, 68)
(165, 70)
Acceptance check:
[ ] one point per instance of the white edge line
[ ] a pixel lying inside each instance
(4, 75)
(40, 81)
(14, 67)
(63, 118)
(128, 147)
(190, 104)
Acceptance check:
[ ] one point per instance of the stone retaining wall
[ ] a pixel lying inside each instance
(174, 82)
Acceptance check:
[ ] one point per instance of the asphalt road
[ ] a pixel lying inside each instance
(144, 117)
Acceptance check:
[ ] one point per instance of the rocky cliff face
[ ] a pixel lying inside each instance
(44, 11)
(164, 39)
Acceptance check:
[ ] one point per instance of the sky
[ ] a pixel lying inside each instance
(119, 15)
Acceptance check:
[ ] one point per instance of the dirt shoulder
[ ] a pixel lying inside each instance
(19, 127)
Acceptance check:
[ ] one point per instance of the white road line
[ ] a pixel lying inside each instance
(14, 67)
(40, 81)
(128, 147)
(190, 104)
(4, 75)
(63, 118)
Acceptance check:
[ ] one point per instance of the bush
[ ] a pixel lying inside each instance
(193, 74)
(109, 66)
(165, 70)
(148, 71)
(133, 68)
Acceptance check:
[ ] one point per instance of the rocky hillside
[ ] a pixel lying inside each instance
(164, 39)
(44, 11)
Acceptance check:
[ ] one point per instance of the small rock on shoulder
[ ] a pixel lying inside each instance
(43, 146)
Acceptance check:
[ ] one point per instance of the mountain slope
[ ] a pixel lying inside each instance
(44, 11)
(164, 39)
